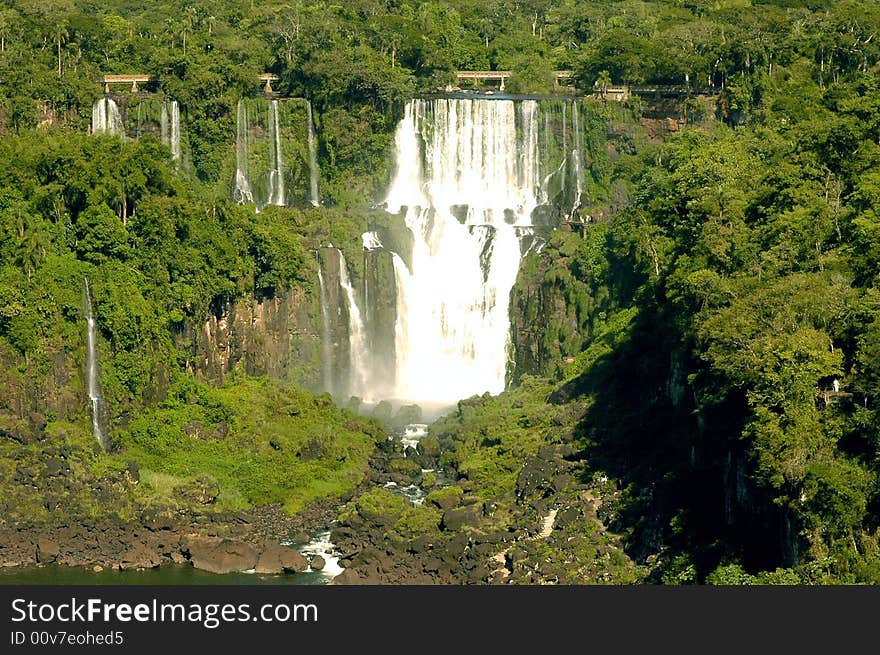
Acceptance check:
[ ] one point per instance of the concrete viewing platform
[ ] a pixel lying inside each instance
(130, 78)
(501, 76)
(268, 78)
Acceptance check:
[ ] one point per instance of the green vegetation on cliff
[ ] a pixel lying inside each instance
(247, 443)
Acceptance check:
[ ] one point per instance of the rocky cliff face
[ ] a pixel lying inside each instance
(51, 388)
(552, 310)
(278, 337)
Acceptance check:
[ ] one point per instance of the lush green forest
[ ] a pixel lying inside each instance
(729, 279)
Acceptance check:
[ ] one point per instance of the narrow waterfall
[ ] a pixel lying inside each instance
(358, 370)
(241, 191)
(314, 198)
(96, 400)
(326, 346)
(170, 127)
(576, 162)
(275, 153)
(277, 195)
(106, 118)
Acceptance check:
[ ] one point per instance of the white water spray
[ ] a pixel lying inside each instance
(326, 346)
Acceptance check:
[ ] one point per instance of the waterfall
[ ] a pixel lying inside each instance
(276, 158)
(326, 370)
(468, 174)
(481, 182)
(96, 401)
(170, 127)
(576, 157)
(314, 198)
(106, 118)
(358, 370)
(241, 191)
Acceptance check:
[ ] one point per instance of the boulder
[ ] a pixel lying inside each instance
(347, 577)
(459, 517)
(276, 558)
(224, 556)
(317, 563)
(47, 551)
(407, 414)
(139, 556)
(445, 498)
(429, 446)
(201, 491)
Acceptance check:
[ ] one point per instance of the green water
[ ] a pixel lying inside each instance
(164, 575)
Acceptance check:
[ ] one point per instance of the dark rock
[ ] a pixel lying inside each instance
(433, 565)
(139, 556)
(47, 551)
(562, 481)
(457, 518)
(317, 563)
(483, 550)
(429, 446)
(404, 468)
(276, 558)
(567, 516)
(300, 538)
(457, 545)
(225, 556)
(407, 414)
(446, 498)
(133, 471)
(55, 466)
(202, 491)
(383, 411)
(155, 520)
(348, 577)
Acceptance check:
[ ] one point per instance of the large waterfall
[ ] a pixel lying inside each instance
(275, 153)
(467, 172)
(96, 400)
(481, 182)
(106, 118)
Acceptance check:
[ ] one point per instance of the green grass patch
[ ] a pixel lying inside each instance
(262, 442)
